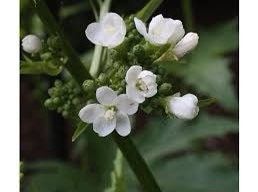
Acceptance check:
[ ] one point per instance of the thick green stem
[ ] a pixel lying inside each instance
(145, 13)
(137, 163)
(74, 65)
(79, 73)
(188, 14)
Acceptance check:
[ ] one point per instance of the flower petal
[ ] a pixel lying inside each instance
(177, 32)
(123, 126)
(114, 30)
(90, 112)
(155, 23)
(105, 95)
(134, 94)
(93, 33)
(132, 74)
(188, 43)
(109, 32)
(126, 105)
(140, 26)
(152, 90)
(104, 127)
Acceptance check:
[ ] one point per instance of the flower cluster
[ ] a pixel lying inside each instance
(138, 84)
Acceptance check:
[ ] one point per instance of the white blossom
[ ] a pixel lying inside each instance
(166, 30)
(140, 83)
(109, 32)
(161, 30)
(111, 114)
(188, 43)
(31, 44)
(184, 107)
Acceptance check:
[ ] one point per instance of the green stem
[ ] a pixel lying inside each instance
(79, 73)
(74, 65)
(98, 50)
(145, 13)
(188, 14)
(137, 163)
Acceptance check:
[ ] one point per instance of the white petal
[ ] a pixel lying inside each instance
(105, 95)
(190, 98)
(188, 43)
(110, 32)
(94, 34)
(160, 30)
(152, 90)
(146, 73)
(140, 26)
(177, 32)
(184, 107)
(132, 74)
(104, 127)
(155, 23)
(90, 112)
(114, 30)
(134, 94)
(123, 126)
(31, 44)
(126, 105)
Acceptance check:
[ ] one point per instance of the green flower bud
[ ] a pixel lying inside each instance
(165, 88)
(46, 56)
(48, 103)
(102, 78)
(65, 113)
(76, 101)
(88, 85)
(56, 100)
(58, 83)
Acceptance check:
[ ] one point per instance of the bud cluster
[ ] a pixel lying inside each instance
(65, 98)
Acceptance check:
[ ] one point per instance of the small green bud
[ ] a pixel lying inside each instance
(88, 85)
(102, 78)
(58, 83)
(165, 88)
(76, 101)
(65, 113)
(46, 55)
(56, 100)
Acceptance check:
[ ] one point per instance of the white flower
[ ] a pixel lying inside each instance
(111, 114)
(109, 32)
(140, 83)
(31, 44)
(187, 44)
(161, 30)
(184, 107)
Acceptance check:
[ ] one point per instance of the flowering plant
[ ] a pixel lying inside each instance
(127, 75)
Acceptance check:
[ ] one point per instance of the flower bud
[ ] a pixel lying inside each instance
(31, 44)
(186, 44)
(184, 107)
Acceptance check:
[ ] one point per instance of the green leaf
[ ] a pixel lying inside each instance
(163, 137)
(39, 67)
(117, 179)
(79, 130)
(210, 172)
(52, 176)
(207, 69)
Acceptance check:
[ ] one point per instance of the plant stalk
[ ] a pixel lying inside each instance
(188, 14)
(137, 163)
(145, 13)
(74, 64)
